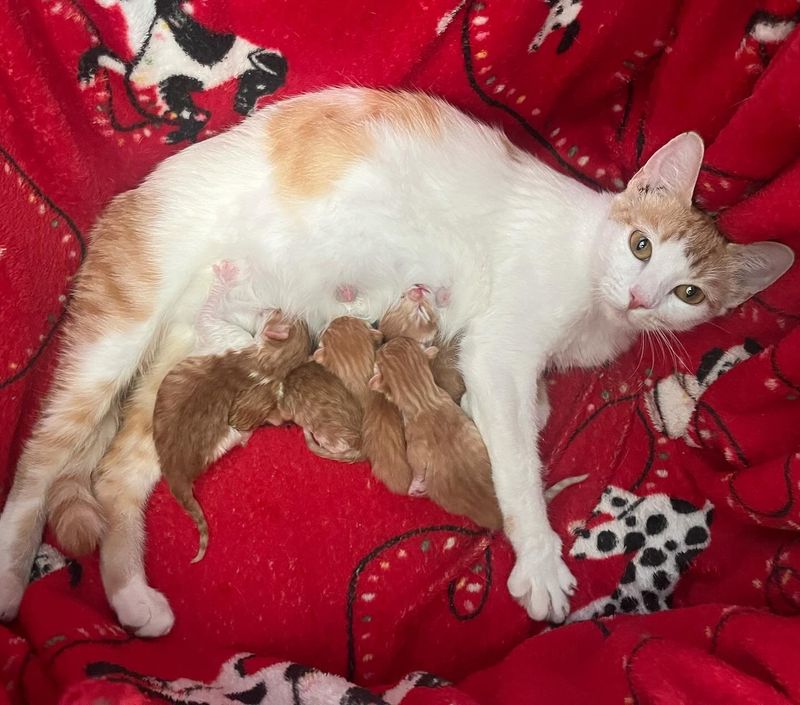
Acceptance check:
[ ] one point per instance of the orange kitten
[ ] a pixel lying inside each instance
(191, 426)
(449, 460)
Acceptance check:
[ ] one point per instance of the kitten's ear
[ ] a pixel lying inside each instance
(673, 168)
(377, 336)
(431, 352)
(376, 382)
(757, 266)
(319, 355)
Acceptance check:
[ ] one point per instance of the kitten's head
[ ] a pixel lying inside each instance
(402, 372)
(663, 263)
(411, 317)
(347, 349)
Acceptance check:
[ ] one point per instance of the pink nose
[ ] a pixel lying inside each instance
(636, 300)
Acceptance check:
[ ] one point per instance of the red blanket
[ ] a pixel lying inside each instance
(693, 455)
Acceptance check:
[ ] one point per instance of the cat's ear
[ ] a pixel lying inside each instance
(673, 168)
(431, 352)
(757, 266)
(319, 355)
(377, 336)
(376, 382)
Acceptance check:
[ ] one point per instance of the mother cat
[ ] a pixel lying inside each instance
(380, 191)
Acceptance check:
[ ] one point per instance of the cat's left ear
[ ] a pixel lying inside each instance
(757, 266)
(673, 168)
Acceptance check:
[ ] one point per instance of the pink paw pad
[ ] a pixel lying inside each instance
(226, 271)
(418, 488)
(346, 293)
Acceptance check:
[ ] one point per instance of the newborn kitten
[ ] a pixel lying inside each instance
(190, 421)
(414, 316)
(347, 350)
(445, 450)
(324, 396)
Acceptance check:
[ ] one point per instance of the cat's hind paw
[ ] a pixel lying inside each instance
(541, 581)
(142, 610)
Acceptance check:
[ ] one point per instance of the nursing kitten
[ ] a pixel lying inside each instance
(347, 350)
(191, 426)
(380, 190)
(444, 448)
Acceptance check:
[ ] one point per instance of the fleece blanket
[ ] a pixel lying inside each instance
(319, 585)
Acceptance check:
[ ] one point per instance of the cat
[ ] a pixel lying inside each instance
(191, 427)
(379, 189)
(445, 451)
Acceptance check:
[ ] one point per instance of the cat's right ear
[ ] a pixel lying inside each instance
(673, 168)
(431, 352)
(319, 355)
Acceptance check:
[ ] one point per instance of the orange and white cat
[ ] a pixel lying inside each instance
(376, 190)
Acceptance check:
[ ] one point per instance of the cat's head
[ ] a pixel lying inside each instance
(663, 263)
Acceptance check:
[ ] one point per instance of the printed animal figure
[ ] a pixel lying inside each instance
(244, 679)
(672, 402)
(330, 187)
(449, 461)
(663, 533)
(191, 426)
(563, 15)
(163, 36)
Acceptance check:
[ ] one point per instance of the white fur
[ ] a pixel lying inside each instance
(522, 249)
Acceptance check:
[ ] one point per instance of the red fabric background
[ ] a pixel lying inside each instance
(314, 562)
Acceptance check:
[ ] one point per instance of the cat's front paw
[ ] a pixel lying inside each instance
(142, 609)
(541, 581)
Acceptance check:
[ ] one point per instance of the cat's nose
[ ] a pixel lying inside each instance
(636, 300)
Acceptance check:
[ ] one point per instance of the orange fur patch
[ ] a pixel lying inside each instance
(661, 215)
(119, 277)
(314, 139)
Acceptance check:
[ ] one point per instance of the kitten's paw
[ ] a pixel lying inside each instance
(226, 271)
(541, 581)
(142, 609)
(11, 591)
(417, 488)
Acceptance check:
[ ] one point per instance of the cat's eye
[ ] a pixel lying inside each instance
(640, 246)
(689, 293)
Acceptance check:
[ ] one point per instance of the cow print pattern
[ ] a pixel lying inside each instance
(664, 533)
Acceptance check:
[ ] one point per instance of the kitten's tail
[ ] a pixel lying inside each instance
(194, 510)
(558, 487)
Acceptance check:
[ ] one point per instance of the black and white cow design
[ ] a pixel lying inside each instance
(179, 56)
(275, 684)
(663, 533)
(49, 559)
(563, 15)
(673, 400)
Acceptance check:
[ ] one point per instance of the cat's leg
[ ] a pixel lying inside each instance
(502, 389)
(110, 327)
(125, 478)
